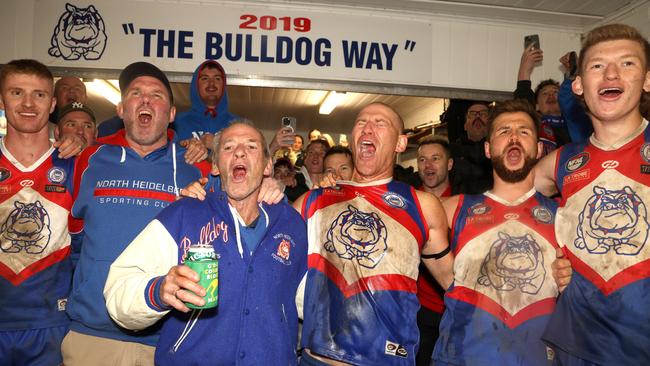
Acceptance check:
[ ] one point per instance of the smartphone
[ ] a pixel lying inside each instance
(289, 122)
(532, 39)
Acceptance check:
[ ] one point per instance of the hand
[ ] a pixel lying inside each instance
(328, 180)
(564, 60)
(271, 191)
(283, 138)
(195, 189)
(529, 58)
(70, 145)
(180, 285)
(207, 139)
(196, 151)
(561, 270)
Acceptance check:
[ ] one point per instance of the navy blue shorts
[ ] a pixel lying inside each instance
(34, 347)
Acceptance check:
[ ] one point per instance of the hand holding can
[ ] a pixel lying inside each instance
(205, 262)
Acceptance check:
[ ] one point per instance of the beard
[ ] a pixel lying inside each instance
(512, 176)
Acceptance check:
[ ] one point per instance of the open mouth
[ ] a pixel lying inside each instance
(514, 154)
(27, 114)
(367, 149)
(144, 116)
(239, 172)
(610, 93)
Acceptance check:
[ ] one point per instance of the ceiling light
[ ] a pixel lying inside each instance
(105, 89)
(332, 100)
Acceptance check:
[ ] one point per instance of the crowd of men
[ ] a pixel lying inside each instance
(94, 234)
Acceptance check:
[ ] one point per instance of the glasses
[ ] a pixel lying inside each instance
(474, 114)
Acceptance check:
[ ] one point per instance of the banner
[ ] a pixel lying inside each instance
(254, 41)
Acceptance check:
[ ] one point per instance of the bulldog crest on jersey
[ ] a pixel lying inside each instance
(613, 220)
(27, 228)
(359, 236)
(514, 262)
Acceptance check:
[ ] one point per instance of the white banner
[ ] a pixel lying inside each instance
(247, 40)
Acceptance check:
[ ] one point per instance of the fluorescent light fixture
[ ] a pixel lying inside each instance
(332, 100)
(106, 90)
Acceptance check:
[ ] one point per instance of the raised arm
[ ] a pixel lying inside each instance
(436, 254)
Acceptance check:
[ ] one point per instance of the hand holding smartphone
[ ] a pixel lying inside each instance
(532, 39)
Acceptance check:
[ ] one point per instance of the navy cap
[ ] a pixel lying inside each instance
(142, 68)
(74, 107)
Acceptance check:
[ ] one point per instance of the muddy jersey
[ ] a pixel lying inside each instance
(364, 250)
(35, 266)
(603, 316)
(503, 290)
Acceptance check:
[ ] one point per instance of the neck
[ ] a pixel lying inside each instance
(144, 150)
(315, 177)
(610, 132)
(247, 208)
(512, 191)
(359, 178)
(27, 148)
(437, 190)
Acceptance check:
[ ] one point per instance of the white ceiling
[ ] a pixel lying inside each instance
(265, 106)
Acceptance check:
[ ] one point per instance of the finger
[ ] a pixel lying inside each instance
(191, 297)
(559, 253)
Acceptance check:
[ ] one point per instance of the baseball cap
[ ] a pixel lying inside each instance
(74, 107)
(142, 68)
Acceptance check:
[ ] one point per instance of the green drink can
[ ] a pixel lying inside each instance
(204, 261)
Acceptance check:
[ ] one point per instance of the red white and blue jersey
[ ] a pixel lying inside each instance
(35, 265)
(364, 249)
(503, 290)
(603, 316)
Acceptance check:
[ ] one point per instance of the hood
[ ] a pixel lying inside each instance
(197, 104)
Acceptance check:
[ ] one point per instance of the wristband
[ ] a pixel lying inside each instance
(437, 255)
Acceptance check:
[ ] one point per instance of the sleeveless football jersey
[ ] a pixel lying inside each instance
(603, 316)
(35, 265)
(364, 250)
(503, 290)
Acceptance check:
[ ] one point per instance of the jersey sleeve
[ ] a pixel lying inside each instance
(133, 285)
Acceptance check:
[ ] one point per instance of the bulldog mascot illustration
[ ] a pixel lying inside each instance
(359, 236)
(514, 262)
(613, 220)
(27, 227)
(79, 33)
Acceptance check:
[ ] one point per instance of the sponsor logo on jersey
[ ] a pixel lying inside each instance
(5, 189)
(511, 216)
(26, 183)
(56, 175)
(610, 164)
(394, 200)
(61, 304)
(645, 152)
(645, 169)
(4, 174)
(577, 162)
(479, 209)
(542, 214)
(54, 188)
(395, 349)
(575, 177)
